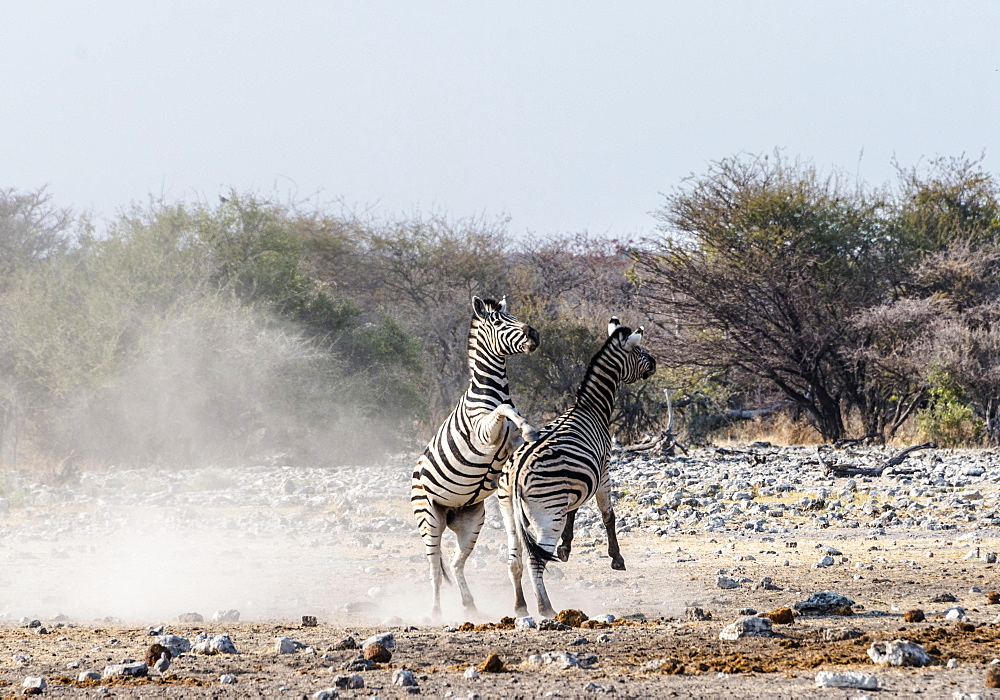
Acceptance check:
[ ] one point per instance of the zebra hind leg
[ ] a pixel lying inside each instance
(466, 523)
(515, 567)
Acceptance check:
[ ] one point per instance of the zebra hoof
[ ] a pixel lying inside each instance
(618, 563)
(562, 551)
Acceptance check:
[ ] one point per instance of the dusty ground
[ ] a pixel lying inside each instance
(280, 543)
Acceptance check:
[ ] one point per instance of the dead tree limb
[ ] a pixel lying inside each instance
(831, 467)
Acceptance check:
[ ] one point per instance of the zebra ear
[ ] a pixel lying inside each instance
(478, 307)
(634, 339)
(613, 325)
(503, 304)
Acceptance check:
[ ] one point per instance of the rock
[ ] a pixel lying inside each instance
(174, 644)
(309, 621)
(219, 644)
(552, 625)
(839, 635)
(358, 664)
(846, 679)
(492, 664)
(34, 685)
(899, 652)
(993, 598)
(88, 676)
(351, 681)
(989, 558)
(525, 623)
(227, 679)
(326, 694)
(824, 562)
(226, 616)
(132, 670)
(559, 659)
(404, 677)
(944, 598)
(696, 615)
(746, 611)
(823, 603)
(725, 582)
(605, 619)
(471, 672)
(915, 615)
(955, 613)
(586, 660)
(378, 653)
(747, 626)
(386, 639)
(573, 618)
(781, 616)
(345, 643)
(285, 645)
(993, 677)
(190, 618)
(593, 688)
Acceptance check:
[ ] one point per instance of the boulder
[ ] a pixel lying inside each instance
(747, 626)
(899, 652)
(823, 603)
(846, 679)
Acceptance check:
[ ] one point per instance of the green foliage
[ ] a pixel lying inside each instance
(949, 420)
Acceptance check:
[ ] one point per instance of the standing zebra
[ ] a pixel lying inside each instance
(548, 479)
(460, 466)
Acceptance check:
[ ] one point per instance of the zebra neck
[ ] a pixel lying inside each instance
(488, 385)
(599, 387)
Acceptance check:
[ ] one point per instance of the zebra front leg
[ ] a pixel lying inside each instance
(430, 522)
(563, 550)
(515, 567)
(603, 498)
(506, 411)
(466, 523)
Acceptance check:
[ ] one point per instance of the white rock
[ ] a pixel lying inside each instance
(955, 613)
(174, 644)
(725, 582)
(471, 672)
(559, 659)
(226, 616)
(825, 562)
(326, 694)
(33, 685)
(227, 679)
(386, 639)
(952, 663)
(285, 645)
(89, 676)
(747, 626)
(899, 652)
(525, 623)
(219, 644)
(846, 679)
(404, 677)
(134, 670)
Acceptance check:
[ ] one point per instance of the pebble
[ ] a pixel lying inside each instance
(325, 694)
(823, 603)
(748, 626)
(471, 672)
(846, 679)
(351, 681)
(226, 616)
(89, 676)
(219, 644)
(404, 677)
(386, 639)
(525, 623)
(134, 670)
(285, 645)
(34, 685)
(559, 659)
(725, 582)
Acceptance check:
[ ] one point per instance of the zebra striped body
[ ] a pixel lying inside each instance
(461, 464)
(547, 480)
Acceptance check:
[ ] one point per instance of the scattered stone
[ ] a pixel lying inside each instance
(839, 635)
(226, 616)
(345, 643)
(824, 562)
(525, 623)
(386, 639)
(326, 694)
(952, 663)
(492, 664)
(559, 659)
(32, 623)
(993, 598)
(404, 677)
(846, 679)
(285, 645)
(899, 652)
(697, 615)
(378, 653)
(993, 677)
(190, 618)
(823, 603)
(746, 611)
(88, 676)
(358, 664)
(606, 619)
(955, 613)
(136, 669)
(174, 644)
(989, 558)
(351, 681)
(309, 621)
(781, 616)
(227, 679)
(471, 672)
(944, 598)
(594, 688)
(573, 618)
(726, 583)
(219, 644)
(552, 625)
(34, 685)
(915, 615)
(748, 626)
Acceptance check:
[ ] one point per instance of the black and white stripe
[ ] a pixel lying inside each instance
(547, 480)
(461, 464)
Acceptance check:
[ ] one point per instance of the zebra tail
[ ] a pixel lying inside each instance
(535, 551)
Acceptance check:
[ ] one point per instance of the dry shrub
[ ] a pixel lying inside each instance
(779, 429)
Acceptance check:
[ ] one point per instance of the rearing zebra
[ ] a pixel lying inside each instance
(460, 466)
(547, 480)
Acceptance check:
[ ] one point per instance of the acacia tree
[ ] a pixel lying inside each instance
(759, 266)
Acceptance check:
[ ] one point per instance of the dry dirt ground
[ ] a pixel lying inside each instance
(163, 556)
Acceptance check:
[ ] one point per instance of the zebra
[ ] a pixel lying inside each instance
(460, 466)
(547, 480)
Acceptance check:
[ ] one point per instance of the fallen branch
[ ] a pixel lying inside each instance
(831, 467)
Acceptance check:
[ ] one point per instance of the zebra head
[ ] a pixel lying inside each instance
(636, 363)
(500, 333)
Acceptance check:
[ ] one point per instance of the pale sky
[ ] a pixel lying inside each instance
(567, 116)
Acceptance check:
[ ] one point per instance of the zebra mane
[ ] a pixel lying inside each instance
(589, 377)
(492, 306)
